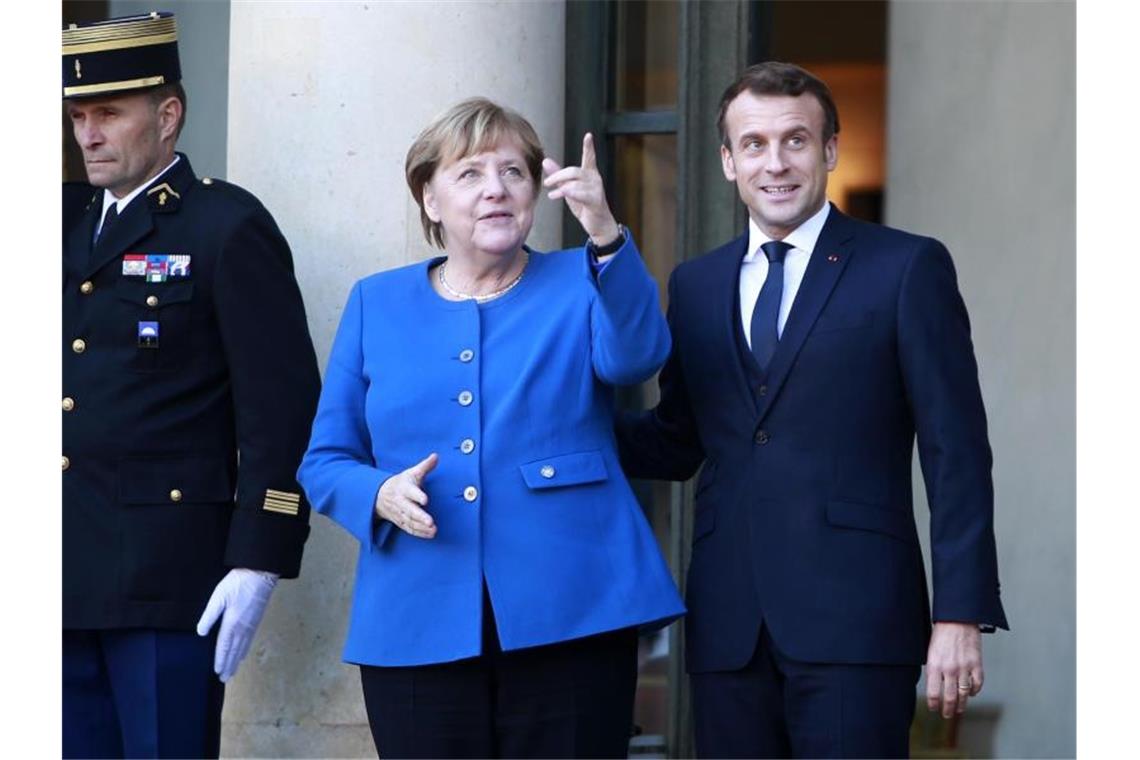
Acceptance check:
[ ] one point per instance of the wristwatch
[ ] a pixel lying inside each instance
(613, 246)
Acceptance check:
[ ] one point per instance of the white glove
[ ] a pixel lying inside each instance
(239, 600)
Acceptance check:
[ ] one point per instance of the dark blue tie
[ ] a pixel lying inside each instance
(766, 315)
(108, 221)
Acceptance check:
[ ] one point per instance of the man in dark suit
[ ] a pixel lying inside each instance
(189, 383)
(807, 355)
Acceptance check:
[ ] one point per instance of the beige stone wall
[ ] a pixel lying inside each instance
(981, 154)
(324, 100)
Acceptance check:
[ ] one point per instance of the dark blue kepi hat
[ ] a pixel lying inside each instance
(120, 55)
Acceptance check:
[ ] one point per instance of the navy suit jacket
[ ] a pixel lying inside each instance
(804, 515)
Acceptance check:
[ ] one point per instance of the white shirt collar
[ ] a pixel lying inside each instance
(802, 238)
(108, 199)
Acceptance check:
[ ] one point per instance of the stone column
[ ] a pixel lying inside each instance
(981, 154)
(324, 101)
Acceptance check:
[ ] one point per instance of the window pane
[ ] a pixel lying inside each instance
(646, 55)
(645, 196)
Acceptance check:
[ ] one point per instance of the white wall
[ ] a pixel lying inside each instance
(203, 51)
(981, 154)
(324, 101)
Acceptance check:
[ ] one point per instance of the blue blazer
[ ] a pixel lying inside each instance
(804, 515)
(516, 397)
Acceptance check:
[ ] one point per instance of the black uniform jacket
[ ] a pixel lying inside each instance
(189, 388)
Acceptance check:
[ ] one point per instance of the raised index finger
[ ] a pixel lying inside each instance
(589, 159)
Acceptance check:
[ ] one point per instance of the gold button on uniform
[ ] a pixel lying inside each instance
(547, 471)
(79, 345)
(175, 495)
(467, 446)
(68, 403)
(466, 355)
(470, 493)
(465, 398)
(152, 301)
(66, 463)
(87, 287)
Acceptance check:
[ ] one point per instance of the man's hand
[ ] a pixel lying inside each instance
(401, 499)
(239, 600)
(954, 670)
(585, 195)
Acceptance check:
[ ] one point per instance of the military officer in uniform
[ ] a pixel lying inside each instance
(189, 388)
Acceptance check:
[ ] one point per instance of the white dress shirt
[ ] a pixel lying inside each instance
(754, 268)
(108, 199)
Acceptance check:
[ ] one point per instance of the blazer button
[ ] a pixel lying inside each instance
(762, 390)
(547, 471)
(762, 437)
(466, 355)
(68, 403)
(467, 446)
(152, 301)
(470, 493)
(66, 463)
(175, 495)
(79, 345)
(465, 398)
(87, 287)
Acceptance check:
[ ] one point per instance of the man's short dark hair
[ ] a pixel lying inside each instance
(175, 90)
(776, 78)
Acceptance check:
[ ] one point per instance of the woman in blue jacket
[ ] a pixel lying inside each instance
(464, 437)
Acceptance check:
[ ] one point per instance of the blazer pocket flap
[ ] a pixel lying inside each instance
(878, 518)
(154, 295)
(565, 470)
(158, 480)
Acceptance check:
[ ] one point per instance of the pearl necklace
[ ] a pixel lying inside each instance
(485, 296)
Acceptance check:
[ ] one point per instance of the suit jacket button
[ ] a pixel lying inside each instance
(762, 390)
(762, 437)
(467, 446)
(152, 301)
(547, 471)
(466, 355)
(66, 463)
(87, 287)
(68, 403)
(175, 495)
(470, 493)
(465, 398)
(79, 345)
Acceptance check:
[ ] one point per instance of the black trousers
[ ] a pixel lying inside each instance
(570, 699)
(778, 707)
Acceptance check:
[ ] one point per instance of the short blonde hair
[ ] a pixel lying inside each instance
(472, 126)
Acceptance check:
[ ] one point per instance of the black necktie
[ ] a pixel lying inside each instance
(108, 221)
(766, 314)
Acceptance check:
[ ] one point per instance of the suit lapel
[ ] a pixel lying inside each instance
(833, 251)
(726, 279)
(133, 224)
(77, 248)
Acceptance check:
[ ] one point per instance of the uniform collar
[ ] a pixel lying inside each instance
(123, 202)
